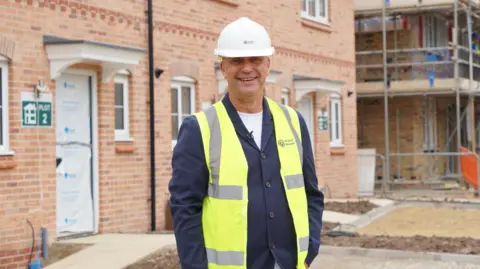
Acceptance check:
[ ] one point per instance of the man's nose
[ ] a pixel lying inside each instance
(247, 66)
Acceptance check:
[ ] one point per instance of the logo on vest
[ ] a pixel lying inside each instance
(286, 142)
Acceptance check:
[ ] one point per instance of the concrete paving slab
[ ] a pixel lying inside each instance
(381, 202)
(113, 251)
(332, 216)
(360, 262)
(399, 254)
(344, 200)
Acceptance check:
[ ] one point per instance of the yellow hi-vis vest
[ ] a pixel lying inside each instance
(224, 216)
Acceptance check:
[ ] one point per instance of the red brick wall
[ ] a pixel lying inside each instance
(185, 32)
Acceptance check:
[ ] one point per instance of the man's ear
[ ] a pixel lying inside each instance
(222, 67)
(268, 62)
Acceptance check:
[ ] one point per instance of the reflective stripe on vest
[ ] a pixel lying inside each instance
(224, 213)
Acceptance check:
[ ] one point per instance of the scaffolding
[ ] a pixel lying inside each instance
(454, 55)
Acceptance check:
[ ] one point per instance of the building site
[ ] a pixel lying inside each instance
(417, 73)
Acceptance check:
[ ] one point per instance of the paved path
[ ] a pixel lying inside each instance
(113, 251)
(327, 261)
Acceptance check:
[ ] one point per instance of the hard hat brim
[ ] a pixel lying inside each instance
(244, 53)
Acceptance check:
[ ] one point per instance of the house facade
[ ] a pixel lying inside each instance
(78, 122)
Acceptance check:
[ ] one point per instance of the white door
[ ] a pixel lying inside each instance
(75, 213)
(305, 107)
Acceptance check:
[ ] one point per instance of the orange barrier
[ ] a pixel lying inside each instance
(469, 167)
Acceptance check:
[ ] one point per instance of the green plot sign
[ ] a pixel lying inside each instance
(36, 112)
(322, 120)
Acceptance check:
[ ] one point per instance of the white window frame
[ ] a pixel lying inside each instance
(285, 96)
(179, 82)
(435, 32)
(317, 17)
(124, 134)
(5, 146)
(335, 142)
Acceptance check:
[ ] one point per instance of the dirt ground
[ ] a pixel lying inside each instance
(459, 245)
(350, 207)
(427, 221)
(58, 251)
(165, 258)
(168, 259)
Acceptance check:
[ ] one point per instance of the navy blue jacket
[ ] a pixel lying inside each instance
(271, 233)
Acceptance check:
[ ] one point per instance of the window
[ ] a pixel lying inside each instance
(335, 122)
(285, 97)
(182, 102)
(4, 126)
(435, 33)
(122, 132)
(316, 10)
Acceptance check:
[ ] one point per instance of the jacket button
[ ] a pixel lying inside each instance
(263, 155)
(272, 245)
(272, 215)
(268, 184)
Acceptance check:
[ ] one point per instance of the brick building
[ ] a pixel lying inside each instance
(75, 137)
(426, 54)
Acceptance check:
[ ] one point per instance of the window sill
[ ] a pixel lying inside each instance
(316, 25)
(7, 162)
(233, 3)
(123, 138)
(7, 153)
(337, 150)
(124, 147)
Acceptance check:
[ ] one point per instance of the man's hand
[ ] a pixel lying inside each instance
(306, 266)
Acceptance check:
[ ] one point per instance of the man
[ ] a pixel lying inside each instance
(244, 193)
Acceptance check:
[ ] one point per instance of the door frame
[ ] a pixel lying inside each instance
(310, 121)
(94, 137)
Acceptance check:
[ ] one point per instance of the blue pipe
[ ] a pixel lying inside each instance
(44, 233)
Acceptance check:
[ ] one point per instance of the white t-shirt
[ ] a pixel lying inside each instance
(253, 123)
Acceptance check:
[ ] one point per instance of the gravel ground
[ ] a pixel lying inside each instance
(358, 262)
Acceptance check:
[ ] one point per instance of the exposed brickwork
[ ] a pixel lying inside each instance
(410, 134)
(184, 42)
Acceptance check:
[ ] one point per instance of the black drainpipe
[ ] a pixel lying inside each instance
(152, 119)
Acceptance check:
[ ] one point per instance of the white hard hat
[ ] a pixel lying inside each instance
(244, 38)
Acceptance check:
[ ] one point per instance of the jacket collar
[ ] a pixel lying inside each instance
(267, 122)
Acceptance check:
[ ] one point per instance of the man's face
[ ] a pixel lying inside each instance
(245, 75)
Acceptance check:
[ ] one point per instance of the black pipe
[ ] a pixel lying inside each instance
(33, 244)
(152, 118)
